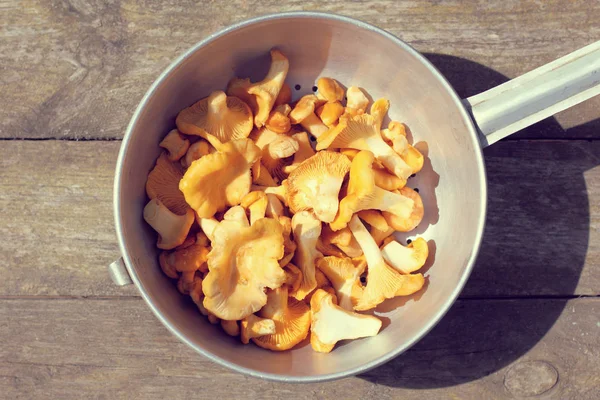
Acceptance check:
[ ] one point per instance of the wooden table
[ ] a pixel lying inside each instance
(528, 322)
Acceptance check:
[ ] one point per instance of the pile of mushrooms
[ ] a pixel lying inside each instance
(266, 231)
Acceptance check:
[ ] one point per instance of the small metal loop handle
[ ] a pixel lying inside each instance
(118, 273)
(539, 94)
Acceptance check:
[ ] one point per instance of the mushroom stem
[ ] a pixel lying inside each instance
(307, 229)
(314, 125)
(282, 147)
(366, 242)
(217, 102)
(208, 226)
(230, 327)
(253, 327)
(331, 323)
(406, 259)
(172, 228)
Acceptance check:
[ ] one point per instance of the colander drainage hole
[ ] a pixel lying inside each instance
(416, 190)
(297, 87)
(413, 175)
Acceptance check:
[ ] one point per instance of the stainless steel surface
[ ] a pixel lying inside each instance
(452, 183)
(118, 273)
(536, 95)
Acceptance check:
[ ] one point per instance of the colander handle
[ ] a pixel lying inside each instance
(523, 101)
(118, 273)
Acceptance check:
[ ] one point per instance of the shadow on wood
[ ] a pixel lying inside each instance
(539, 250)
(470, 78)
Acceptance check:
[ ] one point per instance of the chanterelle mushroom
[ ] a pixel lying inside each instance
(380, 236)
(413, 157)
(163, 184)
(304, 114)
(307, 230)
(166, 266)
(406, 259)
(256, 203)
(242, 263)
(361, 132)
(316, 183)
(278, 120)
(331, 323)
(267, 90)
(274, 207)
(328, 249)
(172, 228)
(253, 327)
(225, 117)
(363, 194)
(386, 180)
(190, 259)
(289, 246)
(357, 101)
(285, 96)
(395, 134)
(208, 226)
(195, 289)
(379, 110)
(263, 136)
(291, 317)
(330, 89)
(304, 152)
(261, 176)
(202, 239)
(345, 279)
(274, 153)
(220, 179)
(239, 88)
(383, 282)
(401, 222)
(330, 113)
(374, 218)
(351, 250)
(293, 277)
(322, 283)
(342, 240)
(230, 327)
(237, 214)
(280, 192)
(196, 151)
(342, 236)
(175, 144)
(185, 281)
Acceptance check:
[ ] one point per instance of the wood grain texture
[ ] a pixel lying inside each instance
(78, 68)
(542, 235)
(542, 232)
(116, 349)
(56, 206)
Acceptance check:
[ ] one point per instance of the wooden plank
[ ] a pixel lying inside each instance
(542, 237)
(56, 207)
(542, 232)
(77, 69)
(116, 349)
